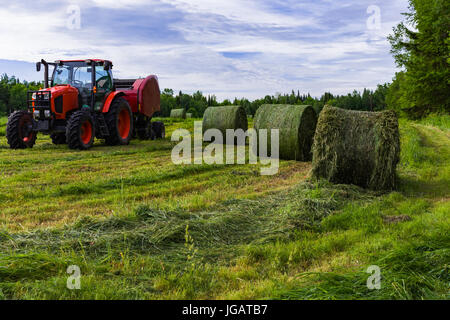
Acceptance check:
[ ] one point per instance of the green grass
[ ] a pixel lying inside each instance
(3, 121)
(55, 185)
(442, 121)
(140, 227)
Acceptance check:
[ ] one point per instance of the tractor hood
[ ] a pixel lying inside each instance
(61, 99)
(58, 90)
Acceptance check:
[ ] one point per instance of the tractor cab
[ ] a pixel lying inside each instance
(92, 79)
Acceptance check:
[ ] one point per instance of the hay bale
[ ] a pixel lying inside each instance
(223, 118)
(178, 113)
(355, 147)
(188, 115)
(296, 126)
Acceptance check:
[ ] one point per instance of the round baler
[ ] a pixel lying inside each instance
(142, 95)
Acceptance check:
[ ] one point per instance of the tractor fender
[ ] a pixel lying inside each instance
(110, 98)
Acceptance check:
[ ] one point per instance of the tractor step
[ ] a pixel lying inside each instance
(103, 128)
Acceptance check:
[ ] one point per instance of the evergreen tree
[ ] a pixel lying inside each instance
(420, 45)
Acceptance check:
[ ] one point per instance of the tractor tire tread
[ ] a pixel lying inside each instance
(111, 121)
(73, 130)
(12, 131)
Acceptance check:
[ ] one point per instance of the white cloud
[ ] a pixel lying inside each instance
(300, 48)
(245, 11)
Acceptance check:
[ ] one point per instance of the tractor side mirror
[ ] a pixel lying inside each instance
(38, 66)
(107, 66)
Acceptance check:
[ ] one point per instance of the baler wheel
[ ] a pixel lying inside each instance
(144, 129)
(159, 129)
(19, 130)
(120, 123)
(58, 138)
(80, 131)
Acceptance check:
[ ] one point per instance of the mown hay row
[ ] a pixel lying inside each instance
(178, 113)
(223, 118)
(355, 147)
(296, 126)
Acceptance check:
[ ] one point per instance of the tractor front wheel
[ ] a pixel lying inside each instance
(80, 131)
(120, 123)
(19, 130)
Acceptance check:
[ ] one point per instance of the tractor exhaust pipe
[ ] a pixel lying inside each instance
(45, 73)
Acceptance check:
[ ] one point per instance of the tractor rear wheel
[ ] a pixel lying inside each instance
(120, 123)
(80, 131)
(58, 138)
(19, 130)
(159, 129)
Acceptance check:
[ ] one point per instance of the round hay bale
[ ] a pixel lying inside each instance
(296, 126)
(223, 118)
(178, 113)
(355, 147)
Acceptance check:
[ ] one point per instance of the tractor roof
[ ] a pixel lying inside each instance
(82, 60)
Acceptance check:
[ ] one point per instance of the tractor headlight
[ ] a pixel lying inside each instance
(33, 96)
(36, 113)
(47, 113)
(46, 95)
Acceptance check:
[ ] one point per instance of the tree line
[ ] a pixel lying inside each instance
(196, 103)
(13, 93)
(13, 96)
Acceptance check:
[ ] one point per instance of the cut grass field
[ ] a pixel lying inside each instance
(141, 227)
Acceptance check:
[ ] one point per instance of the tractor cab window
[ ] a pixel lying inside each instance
(62, 75)
(76, 74)
(103, 79)
(82, 77)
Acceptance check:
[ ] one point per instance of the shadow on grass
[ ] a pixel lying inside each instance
(411, 186)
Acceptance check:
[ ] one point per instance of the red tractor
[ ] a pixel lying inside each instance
(84, 101)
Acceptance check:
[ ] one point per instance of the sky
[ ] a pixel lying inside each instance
(232, 48)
